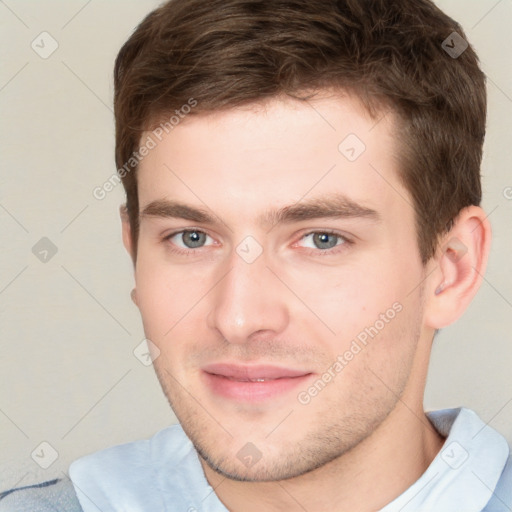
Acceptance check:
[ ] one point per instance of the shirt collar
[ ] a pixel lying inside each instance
(164, 473)
(464, 473)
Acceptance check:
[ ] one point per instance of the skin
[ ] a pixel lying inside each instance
(364, 438)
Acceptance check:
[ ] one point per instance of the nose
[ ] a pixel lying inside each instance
(250, 299)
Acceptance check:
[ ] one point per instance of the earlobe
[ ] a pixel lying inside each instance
(461, 261)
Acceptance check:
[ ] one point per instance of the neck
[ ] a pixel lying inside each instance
(365, 479)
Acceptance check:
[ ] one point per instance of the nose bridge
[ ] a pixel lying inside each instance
(249, 298)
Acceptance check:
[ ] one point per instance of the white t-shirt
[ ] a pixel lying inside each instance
(164, 473)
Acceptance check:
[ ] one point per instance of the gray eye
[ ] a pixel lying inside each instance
(193, 239)
(325, 240)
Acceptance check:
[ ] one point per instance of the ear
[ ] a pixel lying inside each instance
(459, 266)
(127, 232)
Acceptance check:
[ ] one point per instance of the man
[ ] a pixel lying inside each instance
(303, 190)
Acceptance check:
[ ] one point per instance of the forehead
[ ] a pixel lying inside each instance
(278, 152)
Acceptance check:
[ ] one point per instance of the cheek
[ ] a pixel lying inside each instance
(167, 296)
(377, 358)
(349, 298)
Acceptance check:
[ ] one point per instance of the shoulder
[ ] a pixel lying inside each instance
(160, 473)
(49, 496)
(501, 500)
(170, 445)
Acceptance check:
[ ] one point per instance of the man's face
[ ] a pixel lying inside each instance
(251, 316)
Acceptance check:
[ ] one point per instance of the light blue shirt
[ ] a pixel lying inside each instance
(164, 473)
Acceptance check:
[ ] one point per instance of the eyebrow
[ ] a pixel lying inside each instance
(329, 206)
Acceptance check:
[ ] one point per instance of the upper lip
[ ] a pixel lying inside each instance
(245, 372)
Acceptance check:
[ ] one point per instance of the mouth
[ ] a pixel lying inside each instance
(252, 383)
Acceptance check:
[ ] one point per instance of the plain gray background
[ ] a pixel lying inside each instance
(68, 328)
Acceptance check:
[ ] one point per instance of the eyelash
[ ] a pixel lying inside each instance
(317, 252)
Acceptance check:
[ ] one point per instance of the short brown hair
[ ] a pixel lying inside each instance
(229, 53)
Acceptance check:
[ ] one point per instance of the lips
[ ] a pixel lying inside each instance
(253, 373)
(254, 383)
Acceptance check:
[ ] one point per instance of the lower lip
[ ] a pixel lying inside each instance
(252, 391)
